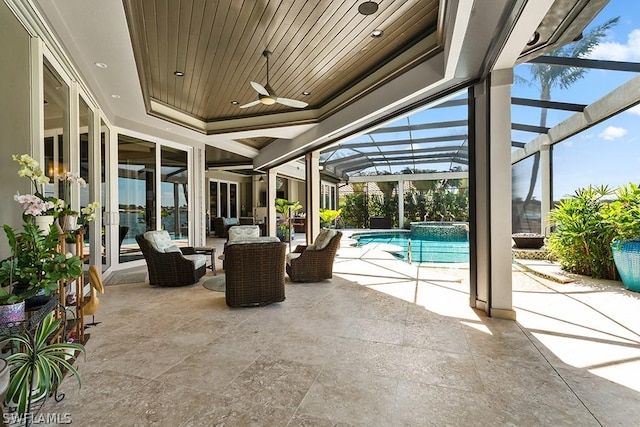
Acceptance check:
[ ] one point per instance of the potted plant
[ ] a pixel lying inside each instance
(623, 216)
(37, 366)
(328, 217)
(35, 266)
(286, 208)
(39, 209)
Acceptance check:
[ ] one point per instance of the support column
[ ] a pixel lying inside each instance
(545, 181)
(271, 202)
(401, 203)
(312, 170)
(490, 203)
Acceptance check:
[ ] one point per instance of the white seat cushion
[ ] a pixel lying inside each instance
(199, 260)
(161, 241)
(292, 255)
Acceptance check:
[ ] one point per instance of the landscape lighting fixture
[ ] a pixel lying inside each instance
(368, 8)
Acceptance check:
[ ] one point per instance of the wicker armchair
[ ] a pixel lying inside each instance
(309, 264)
(254, 273)
(170, 265)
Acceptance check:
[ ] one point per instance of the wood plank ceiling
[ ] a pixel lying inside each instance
(322, 47)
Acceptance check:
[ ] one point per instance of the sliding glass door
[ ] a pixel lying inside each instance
(174, 194)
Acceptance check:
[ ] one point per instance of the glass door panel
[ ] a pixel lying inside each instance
(174, 193)
(104, 195)
(85, 121)
(213, 202)
(224, 206)
(136, 192)
(56, 130)
(233, 200)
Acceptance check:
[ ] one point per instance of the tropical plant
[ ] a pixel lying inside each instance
(328, 217)
(286, 208)
(546, 77)
(623, 214)
(37, 366)
(35, 264)
(581, 239)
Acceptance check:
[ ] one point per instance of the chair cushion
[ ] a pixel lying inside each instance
(199, 260)
(322, 240)
(260, 239)
(161, 241)
(239, 232)
(291, 256)
(230, 221)
(172, 248)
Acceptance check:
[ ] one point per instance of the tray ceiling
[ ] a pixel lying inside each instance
(323, 47)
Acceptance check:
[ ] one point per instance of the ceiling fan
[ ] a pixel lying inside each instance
(267, 96)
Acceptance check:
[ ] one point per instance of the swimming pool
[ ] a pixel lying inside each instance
(423, 248)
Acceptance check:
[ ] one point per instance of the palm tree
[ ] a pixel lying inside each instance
(546, 77)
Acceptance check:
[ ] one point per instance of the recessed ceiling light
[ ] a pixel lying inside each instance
(305, 93)
(100, 64)
(178, 73)
(168, 128)
(115, 96)
(377, 33)
(234, 103)
(368, 8)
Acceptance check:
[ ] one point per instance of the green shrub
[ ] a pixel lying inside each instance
(581, 240)
(623, 215)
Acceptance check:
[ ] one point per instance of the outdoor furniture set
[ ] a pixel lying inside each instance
(254, 265)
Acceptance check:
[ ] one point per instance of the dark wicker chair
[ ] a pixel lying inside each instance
(254, 273)
(170, 268)
(314, 265)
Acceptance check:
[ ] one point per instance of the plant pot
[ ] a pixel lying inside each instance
(528, 240)
(44, 223)
(37, 300)
(626, 255)
(12, 313)
(70, 222)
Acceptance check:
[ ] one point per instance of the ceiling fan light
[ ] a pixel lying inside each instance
(267, 100)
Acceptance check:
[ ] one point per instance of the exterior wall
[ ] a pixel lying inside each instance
(15, 133)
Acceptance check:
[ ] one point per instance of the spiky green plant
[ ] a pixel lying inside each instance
(38, 363)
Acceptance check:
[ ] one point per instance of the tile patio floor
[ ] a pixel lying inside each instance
(382, 344)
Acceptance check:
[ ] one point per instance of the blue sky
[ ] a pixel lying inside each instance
(608, 153)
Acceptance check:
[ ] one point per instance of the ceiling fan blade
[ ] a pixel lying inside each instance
(251, 104)
(291, 102)
(259, 88)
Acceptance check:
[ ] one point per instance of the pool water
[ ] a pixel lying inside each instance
(423, 248)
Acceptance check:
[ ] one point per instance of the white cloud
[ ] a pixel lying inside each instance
(635, 110)
(612, 132)
(614, 51)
